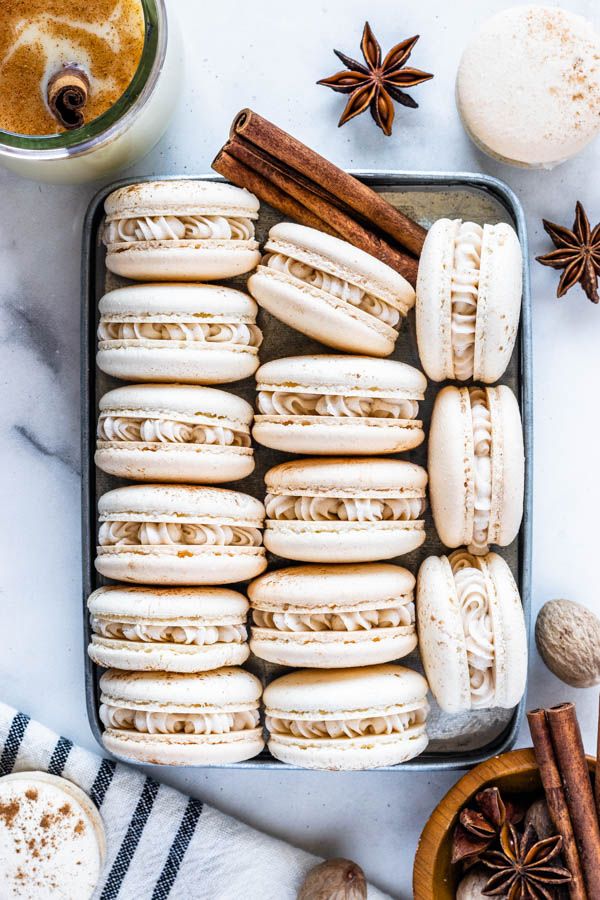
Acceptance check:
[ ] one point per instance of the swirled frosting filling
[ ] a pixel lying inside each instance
(357, 620)
(477, 627)
(463, 297)
(163, 533)
(248, 335)
(154, 633)
(345, 509)
(337, 287)
(482, 445)
(177, 723)
(140, 430)
(178, 228)
(393, 723)
(284, 403)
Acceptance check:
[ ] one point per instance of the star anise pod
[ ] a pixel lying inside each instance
(477, 829)
(525, 868)
(376, 84)
(577, 252)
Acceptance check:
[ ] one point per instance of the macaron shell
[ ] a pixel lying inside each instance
(164, 657)
(498, 302)
(184, 196)
(202, 405)
(184, 749)
(179, 565)
(510, 633)
(180, 503)
(155, 361)
(348, 754)
(434, 300)
(205, 605)
(508, 466)
(194, 261)
(341, 542)
(322, 435)
(451, 466)
(332, 649)
(334, 374)
(441, 636)
(321, 316)
(345, 477)
(208, 301)
(193, 463)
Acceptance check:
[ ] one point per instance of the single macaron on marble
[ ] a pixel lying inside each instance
(476, 467)
(175, 719)
(528, 86)
(345, 719)
(338, 404)
(179, 535)
(52, 838)
(330, 290)
(194, 333)
(333, 616)
(344, 510)
(468, 300)
(180, 231)
(472, 635)
(169, 629)
(174, 433)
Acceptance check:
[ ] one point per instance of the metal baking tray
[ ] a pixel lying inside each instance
(456, 741)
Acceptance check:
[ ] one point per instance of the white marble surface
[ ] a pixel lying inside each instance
(268, 56)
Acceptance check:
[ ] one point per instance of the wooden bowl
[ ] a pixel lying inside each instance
(434, 877)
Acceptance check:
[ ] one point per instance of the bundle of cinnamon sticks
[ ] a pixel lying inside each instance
(303, 185)
(569, 794)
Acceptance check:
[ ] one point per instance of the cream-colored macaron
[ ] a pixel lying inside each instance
(472, 636)
(175, 433)
(171, 630)
(344, 510)
(52, 841)
(330, 290)
(333, 616)
(528, 86)
(339, 404)
(179, 535)
(468, 300)
(163, 718)
(347, 718)
(194, 333)
(476, 467)
(180, 231)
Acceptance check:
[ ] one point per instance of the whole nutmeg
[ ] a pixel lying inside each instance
(538, 816)
(472, 885)
(334, 879)
(568, 639)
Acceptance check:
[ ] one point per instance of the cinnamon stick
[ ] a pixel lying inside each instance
(555, 799)
(327, 177)
(570, 755)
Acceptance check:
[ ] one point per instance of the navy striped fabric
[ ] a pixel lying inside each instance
(183, 837)
(12, 743)
(127, 849)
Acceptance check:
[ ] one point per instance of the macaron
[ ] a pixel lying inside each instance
(528, 86)
(180, 231)
(338, 404)
(174, 432)
(333, 616)
(330, 290)
(476, 467)
(52, 840)
(344, 510)
(170, 719)
(472, 636)
(195, 333)
(468, 300)
(179, 535)
(172, 630)
(347, 718)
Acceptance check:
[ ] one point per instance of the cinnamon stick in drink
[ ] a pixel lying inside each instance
(555, 799)
(572, 764)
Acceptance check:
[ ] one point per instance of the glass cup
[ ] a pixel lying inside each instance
(125, 132)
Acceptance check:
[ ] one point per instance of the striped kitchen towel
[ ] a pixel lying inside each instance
(160, 843)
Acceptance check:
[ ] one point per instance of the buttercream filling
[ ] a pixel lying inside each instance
(477, 627)
(357, 620)
(463, 297)
(178, 228)
(169, 634)
(337, 287)
(162, 533)
(205, 332)
(394, 723)
(482, 445)
(177, 723)
(127, 428)
(283, 403)
(345, 509)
